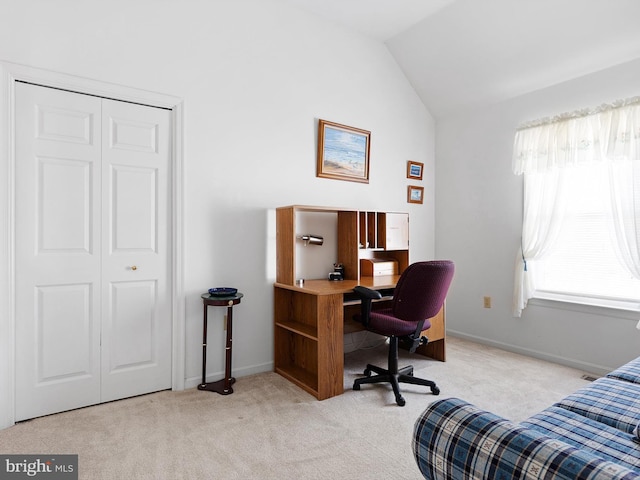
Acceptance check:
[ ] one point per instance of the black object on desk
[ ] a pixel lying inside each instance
(223, 387)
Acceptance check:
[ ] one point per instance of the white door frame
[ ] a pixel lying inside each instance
(10, 73)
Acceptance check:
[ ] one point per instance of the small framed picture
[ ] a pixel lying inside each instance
(414, 170)
(415, 194)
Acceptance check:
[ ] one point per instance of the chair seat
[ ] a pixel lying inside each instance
(383, 322)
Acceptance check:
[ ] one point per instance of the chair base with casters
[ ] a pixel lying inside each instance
(393, 375)
(419, 295)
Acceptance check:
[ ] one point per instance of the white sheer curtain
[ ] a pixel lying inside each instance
(542, 218)
(623, 147)
(624, 185)
(611, 134)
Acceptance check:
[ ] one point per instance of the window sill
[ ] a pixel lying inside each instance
(604, 306)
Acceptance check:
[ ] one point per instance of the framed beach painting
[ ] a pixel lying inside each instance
(415, 194)
(414, 170)
(343, 152)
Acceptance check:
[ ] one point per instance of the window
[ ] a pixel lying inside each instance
(582, 262)
(581, 217)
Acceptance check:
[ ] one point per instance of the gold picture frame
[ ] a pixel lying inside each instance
(343, 152)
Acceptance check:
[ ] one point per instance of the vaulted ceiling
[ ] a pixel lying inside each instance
(461, 54)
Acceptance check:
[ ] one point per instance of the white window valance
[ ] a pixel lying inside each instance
(607, 133)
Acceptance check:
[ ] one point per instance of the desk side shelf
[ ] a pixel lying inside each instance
(309, 343)
(304, 379)
(299, 328)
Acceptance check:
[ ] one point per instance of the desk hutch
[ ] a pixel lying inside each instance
(311, 319)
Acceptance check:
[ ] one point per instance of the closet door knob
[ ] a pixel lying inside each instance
(133, 267)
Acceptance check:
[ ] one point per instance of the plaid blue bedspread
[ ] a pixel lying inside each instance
(589, 435)
(454, 440)
(629, 372)
(609, 401)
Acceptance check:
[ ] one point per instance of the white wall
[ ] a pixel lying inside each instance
(255, 76)
(478, 222)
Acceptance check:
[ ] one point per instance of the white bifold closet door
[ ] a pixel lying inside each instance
(92, 250)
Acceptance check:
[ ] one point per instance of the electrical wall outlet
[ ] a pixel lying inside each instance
(487, 302)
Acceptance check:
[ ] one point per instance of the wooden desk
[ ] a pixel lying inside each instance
(309, 332)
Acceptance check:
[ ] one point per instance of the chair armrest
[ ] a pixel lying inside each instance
(454, 439)
(367, 295)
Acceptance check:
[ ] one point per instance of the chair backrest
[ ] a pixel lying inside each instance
(422, 289)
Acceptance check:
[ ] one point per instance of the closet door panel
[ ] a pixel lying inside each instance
(136, 326)
(57, 250)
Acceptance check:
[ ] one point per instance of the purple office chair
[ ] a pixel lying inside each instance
(418, 296)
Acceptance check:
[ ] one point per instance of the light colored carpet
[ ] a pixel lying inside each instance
(270, 429)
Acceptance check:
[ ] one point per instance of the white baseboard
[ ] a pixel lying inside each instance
(193, 382)
(586, 367)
